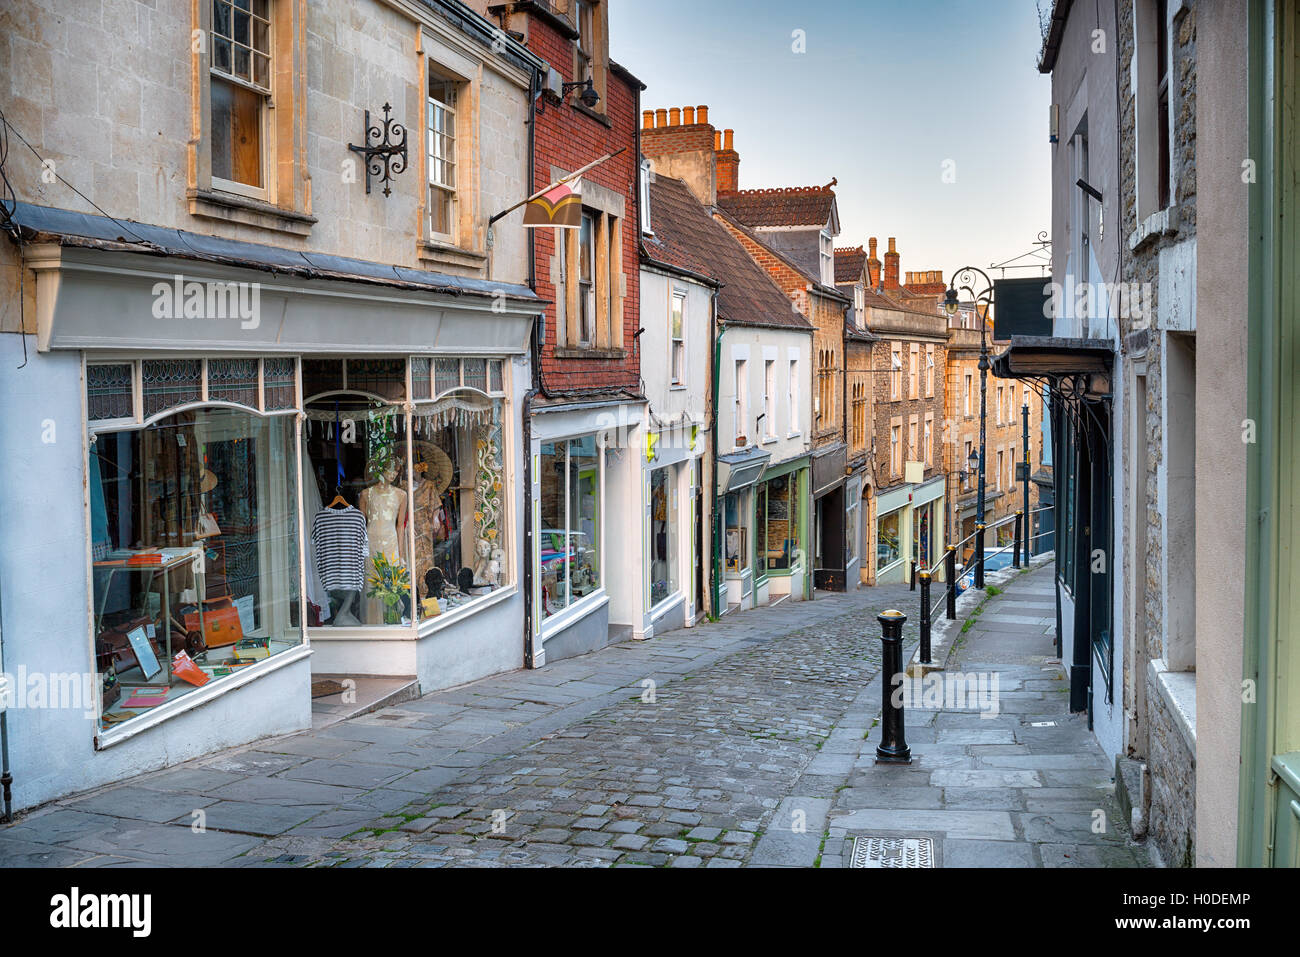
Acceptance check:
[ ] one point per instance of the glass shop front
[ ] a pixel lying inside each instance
(237, 502)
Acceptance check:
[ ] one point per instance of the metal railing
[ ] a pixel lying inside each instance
(1021, 538)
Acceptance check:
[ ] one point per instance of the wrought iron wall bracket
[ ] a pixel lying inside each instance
(384, 151)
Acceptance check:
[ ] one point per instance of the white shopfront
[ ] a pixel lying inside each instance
(198, 482)
(586, 542)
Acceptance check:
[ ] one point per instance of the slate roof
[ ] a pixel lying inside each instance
(687, 237)
(791, 206)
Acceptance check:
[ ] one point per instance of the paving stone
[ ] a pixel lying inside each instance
(668, 845)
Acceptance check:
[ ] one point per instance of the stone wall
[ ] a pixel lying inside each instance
(1143, 339)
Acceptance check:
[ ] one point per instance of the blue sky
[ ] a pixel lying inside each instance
(885, 94)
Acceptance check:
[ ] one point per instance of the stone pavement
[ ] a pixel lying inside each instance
(746, 741)
(1010, 779)
(635, 753)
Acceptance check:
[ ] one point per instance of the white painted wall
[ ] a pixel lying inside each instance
(46, 605)
(754, 343)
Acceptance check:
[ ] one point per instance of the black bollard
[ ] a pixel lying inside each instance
(893, 747)
(950, 573)
(925, 618)
(979, 555)
(1015, 548)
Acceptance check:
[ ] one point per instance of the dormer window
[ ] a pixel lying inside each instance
(827, 258)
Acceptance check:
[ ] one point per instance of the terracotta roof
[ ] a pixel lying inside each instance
(687, 237)
(849, 264)
(791, 206)
(814, 281)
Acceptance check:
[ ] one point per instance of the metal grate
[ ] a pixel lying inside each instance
(421, 378)
(382, 377)
(233, 380)
(475, 374)
(169, 383)
(910, 852)
(446, 375)
(494, 368)
(279, 384)
(110, 392)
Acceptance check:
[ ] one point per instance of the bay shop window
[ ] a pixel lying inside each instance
(197, 473)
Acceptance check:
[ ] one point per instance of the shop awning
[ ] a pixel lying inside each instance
(738, 470)
(98, 280)
(1086, 363)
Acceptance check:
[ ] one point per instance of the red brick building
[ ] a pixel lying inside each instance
(587, 409)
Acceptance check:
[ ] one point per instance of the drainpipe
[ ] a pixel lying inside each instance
(6, 778)
(526, 407)
(715, 563)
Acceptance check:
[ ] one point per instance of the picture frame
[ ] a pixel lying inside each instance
(144, 653)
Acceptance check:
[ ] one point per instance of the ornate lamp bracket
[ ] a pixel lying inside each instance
(384, 151)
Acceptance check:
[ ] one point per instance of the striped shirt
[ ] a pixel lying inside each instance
(341, 544)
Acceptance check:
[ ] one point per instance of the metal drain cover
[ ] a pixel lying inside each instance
(892, 852)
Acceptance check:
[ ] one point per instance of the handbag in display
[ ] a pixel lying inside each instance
(220, 625)
(114, 645)
(207, 526)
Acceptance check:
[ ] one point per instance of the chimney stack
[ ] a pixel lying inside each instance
(891, 268)
(873, 264)
(728, 164)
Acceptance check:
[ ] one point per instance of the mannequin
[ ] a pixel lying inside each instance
(384, 506)
(426, 519)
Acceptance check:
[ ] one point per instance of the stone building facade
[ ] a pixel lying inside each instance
(1158, 183)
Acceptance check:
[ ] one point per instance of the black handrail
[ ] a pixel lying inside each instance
(949, 560)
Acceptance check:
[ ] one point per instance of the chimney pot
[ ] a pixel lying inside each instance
(688, 115)
(647, 119)
(727, 139)
(661, 118)
(871, 245)
(717, 140)
(675, 116)
(702, 114)
(891, 244)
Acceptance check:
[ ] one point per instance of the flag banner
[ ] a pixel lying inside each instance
(561, 206)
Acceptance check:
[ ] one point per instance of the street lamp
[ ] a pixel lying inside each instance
(967, 276)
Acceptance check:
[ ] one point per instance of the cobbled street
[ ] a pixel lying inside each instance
(746, 741)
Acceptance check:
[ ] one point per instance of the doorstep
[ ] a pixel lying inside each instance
(369, 693)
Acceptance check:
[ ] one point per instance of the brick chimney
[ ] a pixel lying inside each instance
(680, 142)
(891, 283)
(728, 164)
(873, 264)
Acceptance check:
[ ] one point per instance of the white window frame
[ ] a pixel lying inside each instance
(769, 400)
(742, 401)
(431, 106)
(792, 388)
(264, 191)
(677, 344)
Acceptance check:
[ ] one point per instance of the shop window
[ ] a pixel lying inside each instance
(356, 508)
(569, 541)
(663, 534)
(195, 563)
(779, 519)
(888, 543)
(458, 501)
(735, 536)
